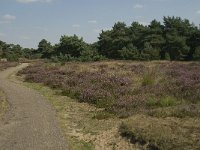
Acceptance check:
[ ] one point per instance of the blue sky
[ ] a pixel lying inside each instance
(26, 22)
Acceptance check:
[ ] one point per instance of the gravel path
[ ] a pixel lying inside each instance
(31, 122)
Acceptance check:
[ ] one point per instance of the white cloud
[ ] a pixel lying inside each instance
(138, 6)
(92, 21)
(76, 26)
(32, 1)
(9, 17)
(198, 12)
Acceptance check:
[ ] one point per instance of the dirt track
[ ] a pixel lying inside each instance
(31, 122)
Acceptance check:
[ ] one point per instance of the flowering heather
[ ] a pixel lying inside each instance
(185, 81)
(121, 87)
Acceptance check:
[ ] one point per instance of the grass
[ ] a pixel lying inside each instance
(158, 102)
(165, 134)
(101, 115)
(167, 101)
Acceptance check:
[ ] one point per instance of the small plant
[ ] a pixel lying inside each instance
(152, 102)
(101, 115)
(167, 101)
(147, 79)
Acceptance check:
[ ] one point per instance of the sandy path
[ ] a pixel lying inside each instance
(31, 123)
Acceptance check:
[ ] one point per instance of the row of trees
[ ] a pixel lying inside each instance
(174, 39)
(13, 52)
(69, 48)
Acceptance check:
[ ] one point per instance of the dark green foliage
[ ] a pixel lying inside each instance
(72, 48)
(45, 49)
(71, 45)
(13, 52)
(177, 38)
(129, 53)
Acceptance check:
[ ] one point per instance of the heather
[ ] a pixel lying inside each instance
(122, 88)
(5, 65)
(158, 102)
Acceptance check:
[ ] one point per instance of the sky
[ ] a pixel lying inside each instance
(26, 22)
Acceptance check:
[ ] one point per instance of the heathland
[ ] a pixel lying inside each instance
(153, 105)
(137, 87)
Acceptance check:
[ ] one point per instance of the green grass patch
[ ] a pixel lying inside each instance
(75, 144)
(167, 101)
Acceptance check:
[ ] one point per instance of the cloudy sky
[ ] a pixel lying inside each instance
(26, 22)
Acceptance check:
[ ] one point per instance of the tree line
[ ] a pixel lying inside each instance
(13, 52)
(173, 39)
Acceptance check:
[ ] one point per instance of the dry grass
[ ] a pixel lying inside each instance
(162, 133)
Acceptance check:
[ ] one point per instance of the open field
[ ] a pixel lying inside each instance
(154, 105)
